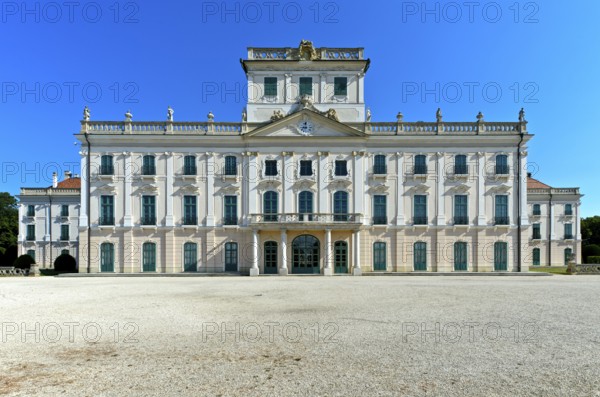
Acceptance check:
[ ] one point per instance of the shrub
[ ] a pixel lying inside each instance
(591, 250)
(593, 260)
(65, 263)
(24, 262)
(10, 256)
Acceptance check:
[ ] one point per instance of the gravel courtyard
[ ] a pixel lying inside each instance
(300, 336)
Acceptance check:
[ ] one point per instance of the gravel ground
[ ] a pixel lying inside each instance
(300, 336)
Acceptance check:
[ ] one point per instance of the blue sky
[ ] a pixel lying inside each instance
(464, 57)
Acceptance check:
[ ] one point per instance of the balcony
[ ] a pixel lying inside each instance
(460, 172)
(230, 221)
(106, 221)
(380, 220)
(420, 220)
(537, 213)
(419, 172)
(536, 235)
(64, 237)
(148, 221)
(568, 236)
(569, 213)
(30, 237)
(501, 221)
(190, 221)
(501, 172)
(303, 220)
(461, 220)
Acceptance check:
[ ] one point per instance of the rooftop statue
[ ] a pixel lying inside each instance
(438, 115)
(170, 113)
(307, 51)
(128, 115)
(86, 113)
(522, 115)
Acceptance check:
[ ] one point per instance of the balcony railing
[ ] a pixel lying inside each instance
(190, 171)
(64, 237)
(106, 221)
(30, 214)
(461, 169)
(230, 221)
(107, 170)
(568, 237)
(30, 237)
(190, 221)
(461, 220)
(149, 221)
(501, 220)
(420, 220)
(568, 213)
(537, 213)
(379, 170)
(502, 169)
(306, 218)
(420, 170)
(380, 220)
(148, 170)
(537, 236)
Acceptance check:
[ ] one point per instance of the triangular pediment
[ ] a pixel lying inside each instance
(305, 123)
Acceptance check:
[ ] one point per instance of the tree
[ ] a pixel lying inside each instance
(9, 220)
(24, 262)
(590, 230)
(65, 263)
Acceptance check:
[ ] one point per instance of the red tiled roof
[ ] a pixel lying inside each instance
(70, 183)
(535, 184)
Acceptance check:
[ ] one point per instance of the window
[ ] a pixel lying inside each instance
(190, 214)
(568, 231)
(568, 209)
(340, 86)
(341, 168)
(31, 210)
(379, 256)
(64, 232)
(306, 168)
(230, 207)
(501, 210)
(501, 164)
(30, 232)
(270, 206)
(536, 231)
(107, 257)
(190, 257)
(31, 253)
(460, 256)
(568, 254)
(460, 165)
(148, 165)
(420, 256)
(379, 166)
(231, 166)
(306, 86)
(270, 167)
(64, 252)
(270, 257)
(461, 214)
(270, 86)
(340, 206)
(537, 210)
(189, 165)
(64, 210)
(536, 257)
(107, 215)
(149, 257)
(148, 210)
(380, 210)
(106, 165)
(420, 210)
(305, 205)
(500, 256)
(420, 164)
(231, 257)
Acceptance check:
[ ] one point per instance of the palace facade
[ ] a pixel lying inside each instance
(307, 183)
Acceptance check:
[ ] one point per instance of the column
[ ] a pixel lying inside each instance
(210, 189)
(551, 223)
(254, 269)
(322, 183)
(358, 180)
(323, 88)
(441, 216)
(481, 218)
(328, 271)
(360, 89)
(253, 177)
(283, 269)
(286, 89)
(169, 221)
(356, 270)
(252, 89)
(83, 218)
(288, 181)
(127, 179)
(523, 189)
(400, 189)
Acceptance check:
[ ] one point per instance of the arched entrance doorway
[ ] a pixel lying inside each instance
(305, 255)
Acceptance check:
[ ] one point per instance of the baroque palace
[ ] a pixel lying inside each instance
(305, 183)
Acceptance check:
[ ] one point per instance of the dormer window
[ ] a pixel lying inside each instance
(340, 86)
(306, 86)
(270, 86)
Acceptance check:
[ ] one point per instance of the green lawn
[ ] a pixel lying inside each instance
(546, 269)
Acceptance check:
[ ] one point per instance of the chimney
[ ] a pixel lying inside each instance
(529, 175)
(54, 180)
(67, 174)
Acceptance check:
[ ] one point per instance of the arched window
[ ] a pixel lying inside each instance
(149, 257)
(107, 257)
(190, 257)
(305, 205)
(340, 206)
(270, 200)
(379, 256)
(420, 256)
(460, 256)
